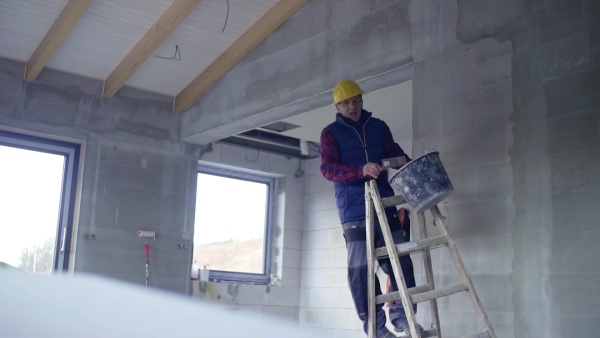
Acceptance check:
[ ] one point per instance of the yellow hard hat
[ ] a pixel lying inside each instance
(344, 90)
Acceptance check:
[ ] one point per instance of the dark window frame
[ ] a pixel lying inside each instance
(244, 174)
(71, 153)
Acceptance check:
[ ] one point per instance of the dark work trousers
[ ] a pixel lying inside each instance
(355, 235)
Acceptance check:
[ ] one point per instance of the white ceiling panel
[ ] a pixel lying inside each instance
(105, 34)
(108, 30)
(201, 40)
(23, 25)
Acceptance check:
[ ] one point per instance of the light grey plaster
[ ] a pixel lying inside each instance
(519, 133)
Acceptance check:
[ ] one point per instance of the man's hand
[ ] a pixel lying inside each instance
(371, 170)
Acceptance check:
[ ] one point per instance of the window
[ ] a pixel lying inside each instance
(232, 231)
(38, 179)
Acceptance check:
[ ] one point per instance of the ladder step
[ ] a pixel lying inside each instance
(414, 246)
(433, 294)
(386, 297)
(484, 334)
(393, 200)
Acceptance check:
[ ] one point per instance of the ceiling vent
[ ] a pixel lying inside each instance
(279, 127)
(268, 141)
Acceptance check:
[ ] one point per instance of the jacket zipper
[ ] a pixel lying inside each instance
(363, 142)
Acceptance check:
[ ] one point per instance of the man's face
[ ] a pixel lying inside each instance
(351, 108)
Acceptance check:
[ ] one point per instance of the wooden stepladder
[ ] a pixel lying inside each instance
(419, 293)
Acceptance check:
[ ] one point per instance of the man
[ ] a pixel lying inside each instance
(351, 151)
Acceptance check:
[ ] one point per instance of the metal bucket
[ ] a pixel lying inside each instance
(423, 182)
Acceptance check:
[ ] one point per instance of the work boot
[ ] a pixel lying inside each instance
(404, 328)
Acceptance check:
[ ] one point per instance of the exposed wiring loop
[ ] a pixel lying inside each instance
(177, 52)
(227, 17)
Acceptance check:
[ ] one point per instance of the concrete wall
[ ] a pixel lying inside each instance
(292, 71)
(508, 92)
(326, 305)
(135, 173)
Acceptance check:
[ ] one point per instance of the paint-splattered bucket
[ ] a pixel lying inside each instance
(423, 182)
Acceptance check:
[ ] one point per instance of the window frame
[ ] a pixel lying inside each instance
(252, 176)
(71, 153)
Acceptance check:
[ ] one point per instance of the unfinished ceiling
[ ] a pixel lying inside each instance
(177, 48)
(392, 104)
(289, 136)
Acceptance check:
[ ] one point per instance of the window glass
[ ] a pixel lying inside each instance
(27, 239)
(232, 224)
(37, 188)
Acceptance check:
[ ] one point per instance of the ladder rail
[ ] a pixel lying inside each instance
(394, 258)
(370, 224)
(462, 271)
(433, 306)
(393, 251)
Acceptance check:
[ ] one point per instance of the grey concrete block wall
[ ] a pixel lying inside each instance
(135, 173)
(326, 305)
(508, 92)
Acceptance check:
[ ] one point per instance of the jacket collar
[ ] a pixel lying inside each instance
(364, 116)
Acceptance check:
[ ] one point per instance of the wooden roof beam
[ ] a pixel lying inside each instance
(274, 18)
(157, 34)
(55, 36)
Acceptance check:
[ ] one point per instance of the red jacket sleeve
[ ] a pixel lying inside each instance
(331, 168)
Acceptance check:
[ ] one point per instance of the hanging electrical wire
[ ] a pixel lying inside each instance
(227, 17)
(175, 57)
